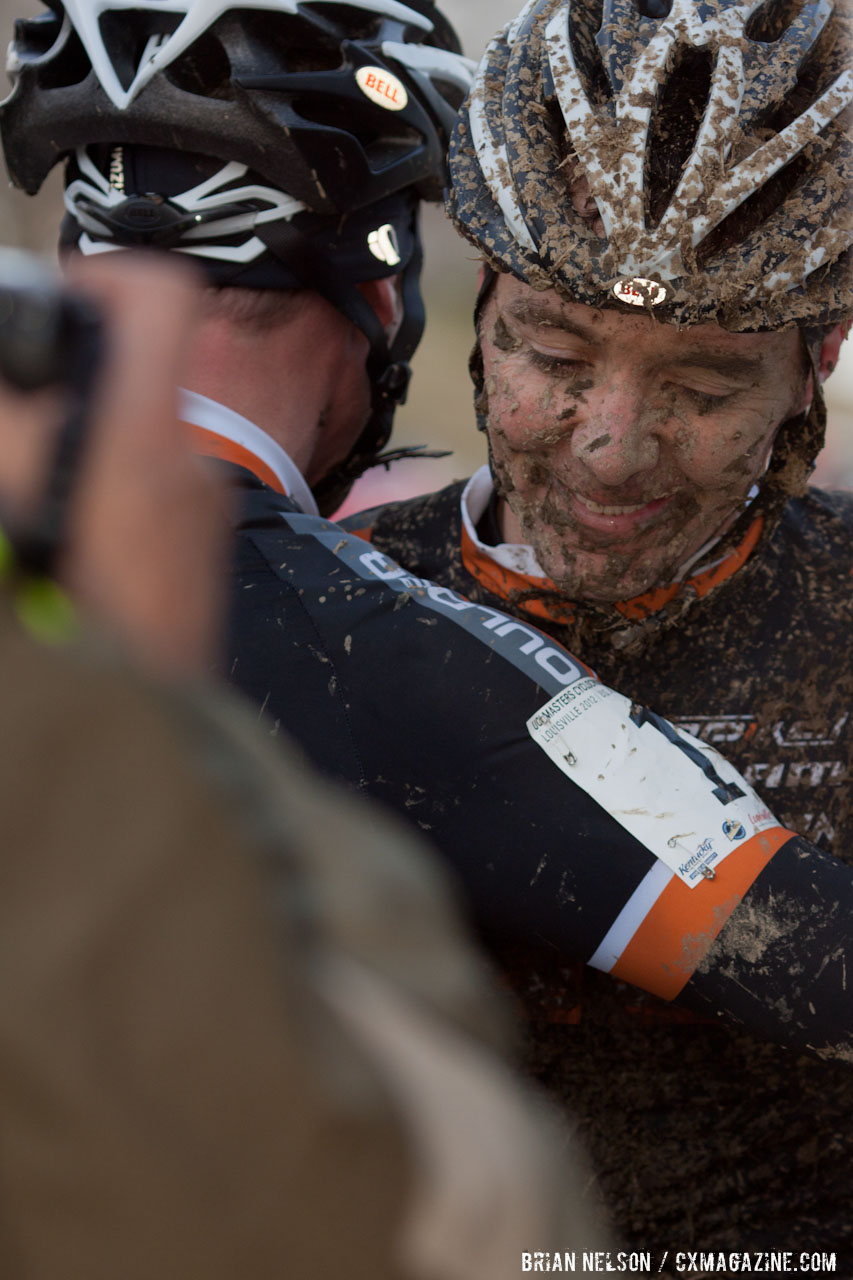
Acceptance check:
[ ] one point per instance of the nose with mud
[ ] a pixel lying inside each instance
(618, 439)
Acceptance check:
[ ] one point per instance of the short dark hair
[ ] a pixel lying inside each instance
(255, 309)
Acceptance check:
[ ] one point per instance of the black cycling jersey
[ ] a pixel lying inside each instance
(698, 1133)
(762, 669)
(466, 722)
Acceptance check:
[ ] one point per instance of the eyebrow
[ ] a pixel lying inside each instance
(538, 313)
(728, 364)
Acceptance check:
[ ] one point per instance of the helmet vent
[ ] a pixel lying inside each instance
(654, 8)
(585, 18)
(363, 126)
(452, 93)
(675, 124)
(352, 24)
(34, 36)
(203, 70)
(129, 42)
(772, 20)
(756, 211)
(280, 43)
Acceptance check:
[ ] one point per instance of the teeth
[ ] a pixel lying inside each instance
(610, 511)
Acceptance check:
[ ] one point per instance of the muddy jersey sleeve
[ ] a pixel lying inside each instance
(570, 816)
(780, 966)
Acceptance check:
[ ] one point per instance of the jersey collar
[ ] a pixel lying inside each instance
(513, 567)
(219, 432)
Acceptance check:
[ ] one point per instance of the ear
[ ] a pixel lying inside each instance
(384, 297)
(830, 350)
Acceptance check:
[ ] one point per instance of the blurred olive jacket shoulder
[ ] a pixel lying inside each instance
(149, 1064)
(240, 1008)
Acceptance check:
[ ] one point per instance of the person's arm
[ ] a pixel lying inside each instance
(572, 818)
(780, 966)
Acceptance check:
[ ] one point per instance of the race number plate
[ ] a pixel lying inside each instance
(676, 795)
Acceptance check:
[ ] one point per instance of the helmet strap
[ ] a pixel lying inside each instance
(294, 249)
(387, 366)
(476, 368)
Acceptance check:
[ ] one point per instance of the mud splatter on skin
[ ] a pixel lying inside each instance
(535, 473)
(638, 416)
(502, 339)
(565, 541)
(559, 537)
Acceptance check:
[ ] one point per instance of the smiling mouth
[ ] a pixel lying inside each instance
(614, 523)
(626, 509)
(600, 510)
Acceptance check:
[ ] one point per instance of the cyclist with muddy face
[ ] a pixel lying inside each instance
(297, 189)
(661, 197)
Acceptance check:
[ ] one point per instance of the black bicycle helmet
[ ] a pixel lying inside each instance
(281, 143)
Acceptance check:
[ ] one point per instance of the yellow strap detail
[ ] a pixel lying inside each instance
(42, 607)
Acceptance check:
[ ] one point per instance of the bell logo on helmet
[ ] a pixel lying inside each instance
(383, 244)
(382, 87)
(640, 293)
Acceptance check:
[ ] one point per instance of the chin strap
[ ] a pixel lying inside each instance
(331, 491)
(475, 360)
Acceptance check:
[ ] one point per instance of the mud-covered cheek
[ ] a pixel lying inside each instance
(513, 413)
(530, 410)
(516, 463)
(725, 458)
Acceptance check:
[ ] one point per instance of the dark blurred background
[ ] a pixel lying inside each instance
(439, 412)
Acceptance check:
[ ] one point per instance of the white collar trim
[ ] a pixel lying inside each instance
(208, 414)
(516, 556)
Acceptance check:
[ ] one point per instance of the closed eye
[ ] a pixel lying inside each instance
(555, 364)
(703, 399)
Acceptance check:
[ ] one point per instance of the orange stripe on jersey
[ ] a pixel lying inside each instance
(365, 533)
(211, 445)
(704, 582)
(501, 581)
(677, 932)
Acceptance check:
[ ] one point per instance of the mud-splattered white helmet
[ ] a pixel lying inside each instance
(697, 162)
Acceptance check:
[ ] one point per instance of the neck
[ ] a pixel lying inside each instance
(265, 385)
(289, 379)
